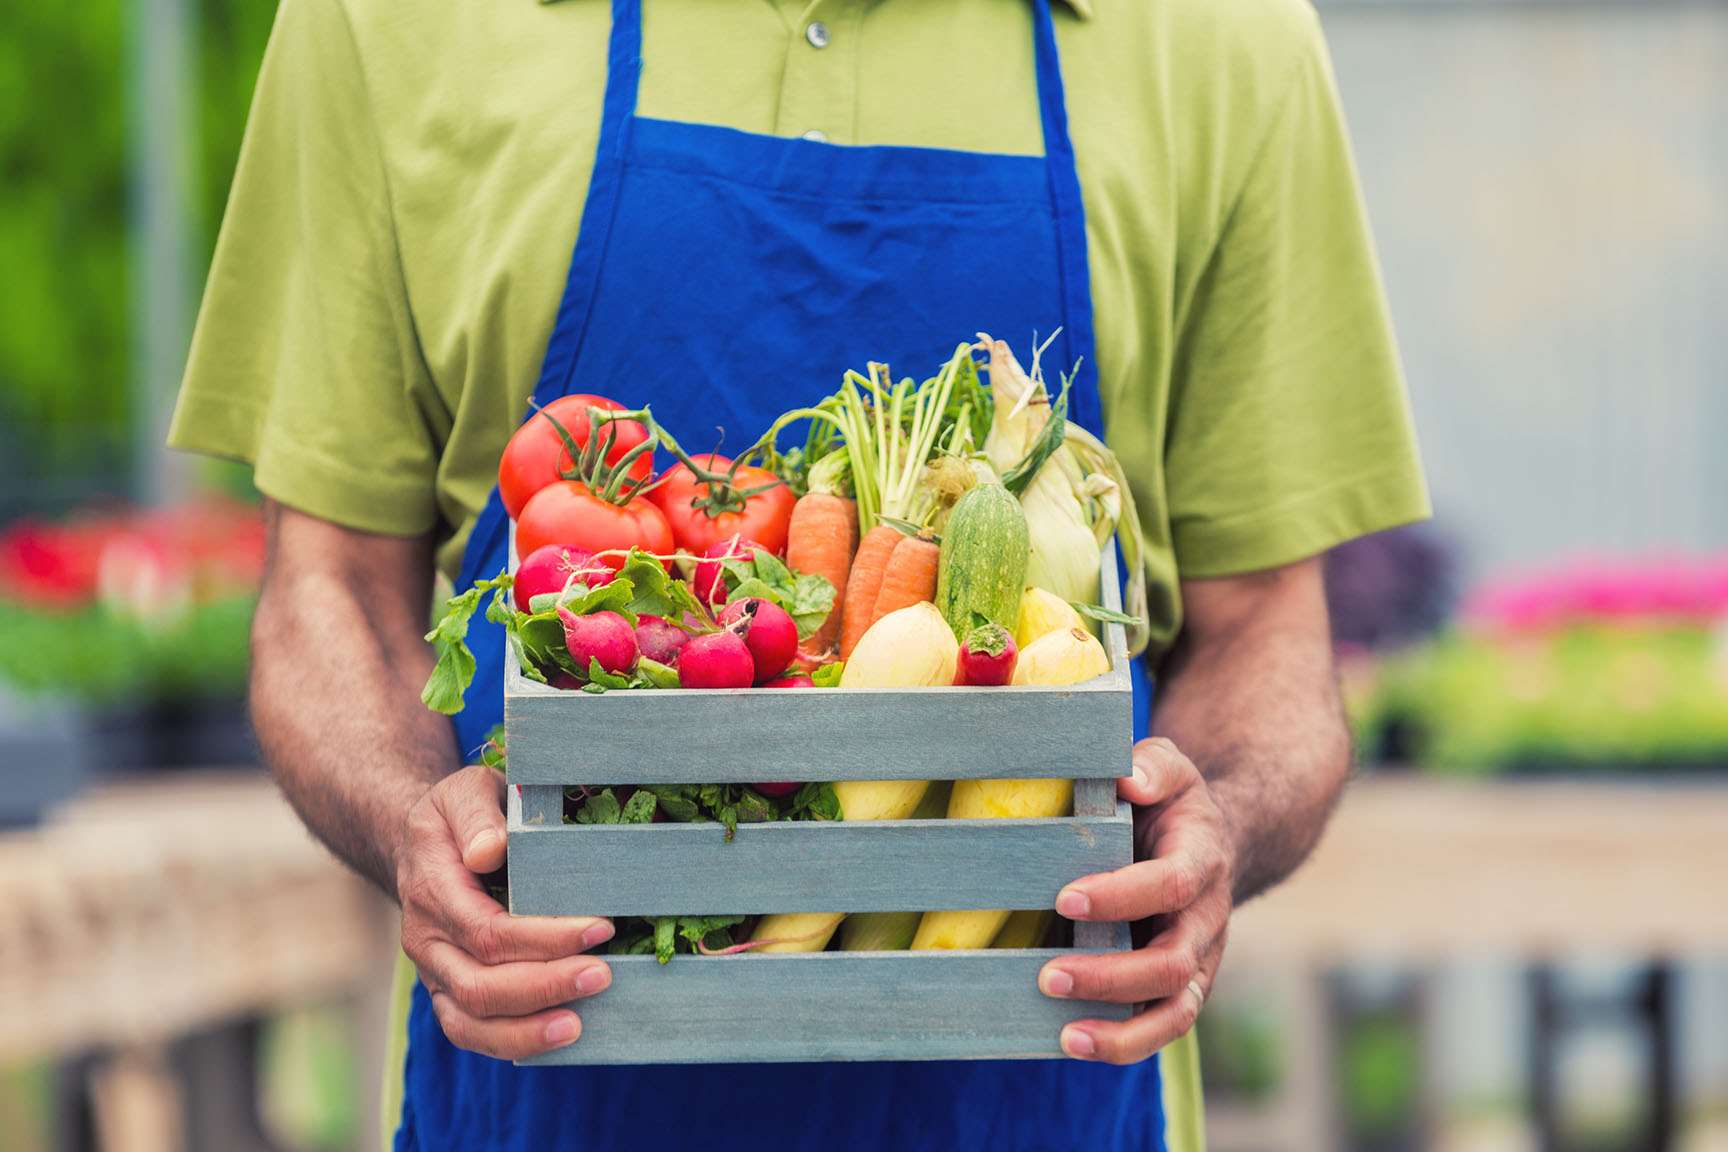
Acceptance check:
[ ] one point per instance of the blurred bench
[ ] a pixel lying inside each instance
(1422, 870)
(146, 911)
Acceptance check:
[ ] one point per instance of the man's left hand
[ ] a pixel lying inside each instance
(1180, 886)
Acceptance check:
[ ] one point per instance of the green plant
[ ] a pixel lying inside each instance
(65, 205)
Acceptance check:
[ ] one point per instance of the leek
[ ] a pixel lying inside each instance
(1071, 485)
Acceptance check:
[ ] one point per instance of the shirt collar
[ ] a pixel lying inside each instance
(1080, 8)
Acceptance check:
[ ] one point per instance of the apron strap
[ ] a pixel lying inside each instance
(1070, 212)
(623, 75)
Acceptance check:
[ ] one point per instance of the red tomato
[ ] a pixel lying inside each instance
(536, 455)
(567, 514)
(764, 517)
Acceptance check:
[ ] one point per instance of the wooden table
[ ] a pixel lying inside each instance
(1423, 870)
(145, 911)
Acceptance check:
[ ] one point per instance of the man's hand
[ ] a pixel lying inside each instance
(1250, 696)
(499, 983)
(1181, 885)
(338, 660)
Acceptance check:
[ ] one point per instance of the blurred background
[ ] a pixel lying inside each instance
(1515, 936)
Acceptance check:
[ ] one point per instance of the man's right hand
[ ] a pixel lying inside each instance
(499, 983)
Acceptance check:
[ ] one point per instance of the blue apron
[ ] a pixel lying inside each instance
(723, 277)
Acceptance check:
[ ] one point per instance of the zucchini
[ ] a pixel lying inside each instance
(982, 568)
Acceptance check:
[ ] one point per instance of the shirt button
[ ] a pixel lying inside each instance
(817, 33)
(816, 136)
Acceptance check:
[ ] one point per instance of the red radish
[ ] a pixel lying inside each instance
(707, 582)
(659, 639)
(780, 788)
(564, 680)
(600, 636)
(552, 566)
(987, 658)
(768, 630)
(798, 681)
(716, 660)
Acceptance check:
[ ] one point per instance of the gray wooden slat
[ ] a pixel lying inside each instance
(540, 804)
(1102, 936)
(825, 1006)
(751, 734)
(746, 735)
(1115, 635)
(870, 866)
(1095, 797)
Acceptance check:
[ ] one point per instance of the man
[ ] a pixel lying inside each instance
(714, 207)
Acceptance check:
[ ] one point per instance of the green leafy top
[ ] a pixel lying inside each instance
(989, 638)
(726, 804)
(806, 597)
(642, 587)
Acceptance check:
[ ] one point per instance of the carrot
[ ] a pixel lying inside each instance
(908, 578)
(820, 540)
(864, 582)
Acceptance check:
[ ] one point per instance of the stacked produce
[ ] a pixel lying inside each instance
(933, 534)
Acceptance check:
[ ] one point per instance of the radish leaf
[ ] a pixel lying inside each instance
(454, 669)
(806, 597)
(665, 938)
(815, 801)
(639, 809)
(654, 592)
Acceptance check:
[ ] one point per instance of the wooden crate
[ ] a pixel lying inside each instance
(831, 1005)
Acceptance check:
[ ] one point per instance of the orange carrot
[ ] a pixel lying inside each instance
(820, 540)
(908, 578)
(864, 583)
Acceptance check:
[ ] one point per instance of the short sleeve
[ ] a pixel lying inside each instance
(304, 359)
(1289, 430)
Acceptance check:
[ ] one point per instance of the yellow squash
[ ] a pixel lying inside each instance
(1043, 612)
(1071, 656)
(1025, 929)
(909, 648)
(892, 931)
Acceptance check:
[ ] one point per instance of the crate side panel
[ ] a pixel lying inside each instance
(828, 1006)
(886, 866)
(745, 736)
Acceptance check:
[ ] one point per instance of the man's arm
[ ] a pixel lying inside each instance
(338, 660)
(1250, 694)
(337, 665)
(1230, 797)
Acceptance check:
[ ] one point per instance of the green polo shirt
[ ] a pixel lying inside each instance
(413, 176)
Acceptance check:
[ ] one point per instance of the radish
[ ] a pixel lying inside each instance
(716, 660)
(779, 788)
(551, 567)
(604, 637)
(987, 658)
(798, 681)
(707, 582)
(769, 632)
(659, 639)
